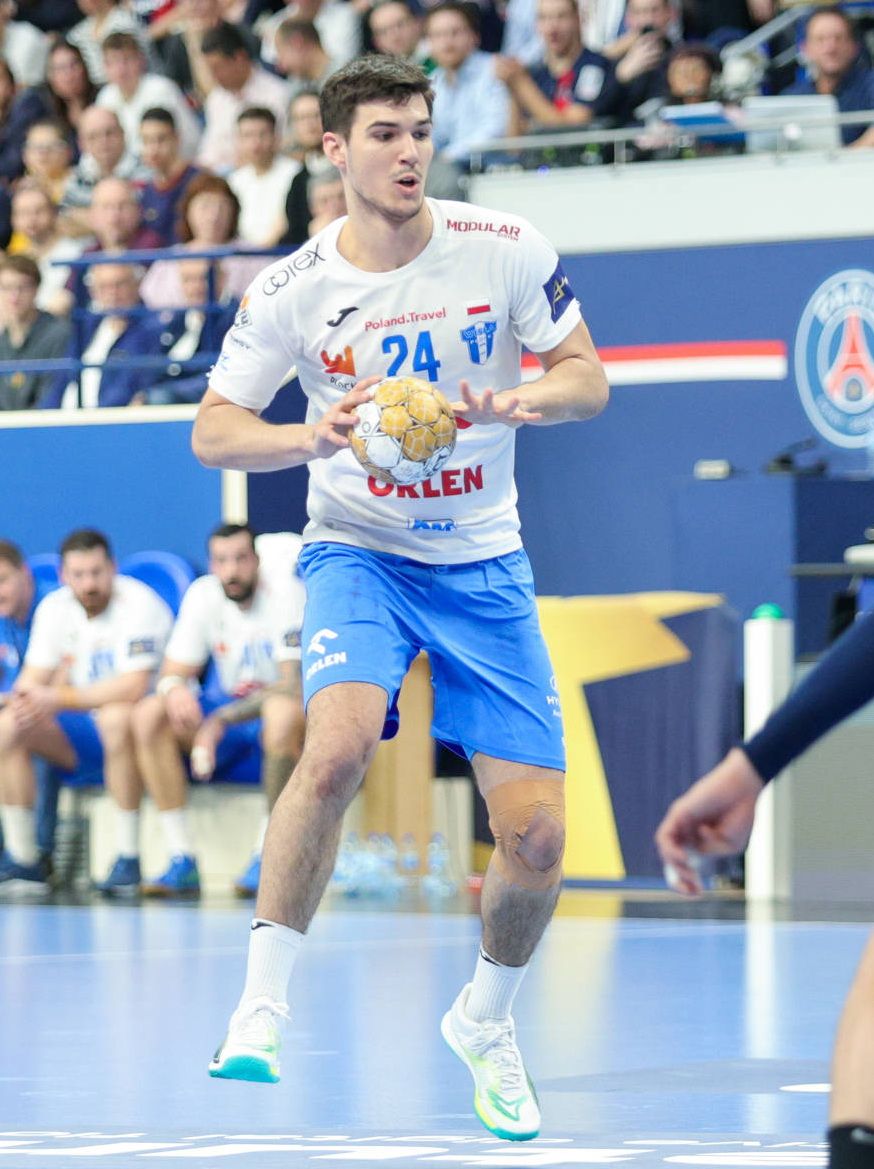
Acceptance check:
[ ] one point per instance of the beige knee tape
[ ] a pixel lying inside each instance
(512, 807)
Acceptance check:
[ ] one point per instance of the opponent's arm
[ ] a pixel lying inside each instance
(573, 387)
(231, 436)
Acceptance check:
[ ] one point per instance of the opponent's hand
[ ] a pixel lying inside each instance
(489, 407)
(713, 818)
(183, 711)
(331, 432)
(204, 748)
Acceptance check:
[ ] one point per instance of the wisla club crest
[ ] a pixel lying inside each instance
(480, 340)
(834, 358)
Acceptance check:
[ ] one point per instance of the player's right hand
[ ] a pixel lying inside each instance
(713, 818)
(183, 711)
(331, 432)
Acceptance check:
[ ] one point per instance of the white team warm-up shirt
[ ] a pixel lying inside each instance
(130, 634)
(246, 645)
(486, 284)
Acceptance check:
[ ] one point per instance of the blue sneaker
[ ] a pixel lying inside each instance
(123, 879)
(23, 880)
(180, 880)
(246, 885)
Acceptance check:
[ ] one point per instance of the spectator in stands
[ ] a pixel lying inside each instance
(53, 16)
(248, 626)
(305, 121)
(102, 18)
(179, 48)
(209, 214)
(641, 70)
(396, 30)
(521, 39)
(94, 647)
(130, 91)
(327, 199)
(564, 87)
(20, 593)
(103, 154)
(36, 233)
(22, 47)
(68, 90)
(191, 337)
(160, 197)
(337, 22)
(47, 157)
(693, 69)
(239, 83)
(28, 334)
(471, 104)
(263, 179)
(114, 337)
(116, 220)
(7, 101)
(837, 66)
(300, 57)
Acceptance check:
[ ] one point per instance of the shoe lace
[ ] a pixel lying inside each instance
(496, 1040)
(258, 1021)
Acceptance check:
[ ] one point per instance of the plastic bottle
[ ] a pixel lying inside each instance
(408, 859)
(438, 881)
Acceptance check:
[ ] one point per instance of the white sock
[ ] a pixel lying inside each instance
(19, 833)
(273, 949)
(127, 832)
(493, 989)
(174, 824)
(262, 832)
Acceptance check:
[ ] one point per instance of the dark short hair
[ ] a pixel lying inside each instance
(122, 42)
(159, 114)
(373, 77)
(258, 114)
(469, 13)
(211, 185)
(296, 26)
(225, 531)
(24, 266)
(226, 40)
(11, 554)
(85, 540)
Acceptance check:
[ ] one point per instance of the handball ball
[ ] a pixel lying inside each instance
(405, 433)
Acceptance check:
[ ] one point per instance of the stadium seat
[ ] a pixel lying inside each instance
(165, 572)
(46, 567)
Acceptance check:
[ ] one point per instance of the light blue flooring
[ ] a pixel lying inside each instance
(653, 1041)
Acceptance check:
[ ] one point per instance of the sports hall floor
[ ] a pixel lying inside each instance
(659, 1033)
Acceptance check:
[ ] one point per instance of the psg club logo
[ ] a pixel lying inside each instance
(834, 358)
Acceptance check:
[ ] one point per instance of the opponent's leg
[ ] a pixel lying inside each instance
(521, 887)
(344, 723)
(851, 1112)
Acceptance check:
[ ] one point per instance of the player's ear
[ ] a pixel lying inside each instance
(335, 149)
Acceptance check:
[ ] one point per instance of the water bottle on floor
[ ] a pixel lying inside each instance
(438, 881)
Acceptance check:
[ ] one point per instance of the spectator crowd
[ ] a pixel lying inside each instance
(176, 127)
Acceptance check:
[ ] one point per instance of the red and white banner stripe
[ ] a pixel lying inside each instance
(691, 361)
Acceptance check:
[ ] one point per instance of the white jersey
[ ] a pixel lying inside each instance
(246, 645)
(486, 284)
(130, 633)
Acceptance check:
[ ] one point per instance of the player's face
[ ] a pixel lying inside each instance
(90, 575)
(234, 561)
(386, 157)
(16, 590)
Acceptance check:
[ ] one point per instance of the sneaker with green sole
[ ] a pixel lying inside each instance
(504, 1096)
(251, 1047)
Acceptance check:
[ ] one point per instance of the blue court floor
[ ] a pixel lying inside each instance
(654, 1041)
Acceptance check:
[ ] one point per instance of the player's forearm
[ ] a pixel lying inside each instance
(130, 687)
(235, 439)
(243, 709)
(572, 391)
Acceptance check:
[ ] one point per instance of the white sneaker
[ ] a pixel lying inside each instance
(251, 1047)
(505, 1099)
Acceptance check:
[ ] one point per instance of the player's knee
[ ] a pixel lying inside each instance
(527, 821)
(334, 777)
(148, 717)
(114, 723)
(9, 736)
(279, 717)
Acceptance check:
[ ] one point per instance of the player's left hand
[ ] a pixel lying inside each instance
(33, 705)
(204, 747)
(489, 407)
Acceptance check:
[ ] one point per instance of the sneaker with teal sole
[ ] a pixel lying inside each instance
(180, 880)
(123, 879)
(504, 1097)
(251, 1047)
(246, 885)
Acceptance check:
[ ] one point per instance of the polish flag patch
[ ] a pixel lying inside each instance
(475, 307)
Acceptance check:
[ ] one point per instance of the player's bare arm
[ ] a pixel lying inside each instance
(714, 817)
(36, 701)
(182, 707)
(573, 388)
(234, 437)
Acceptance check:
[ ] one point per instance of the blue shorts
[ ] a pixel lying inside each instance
(80, 727)
(238, 755)
(368, 614)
